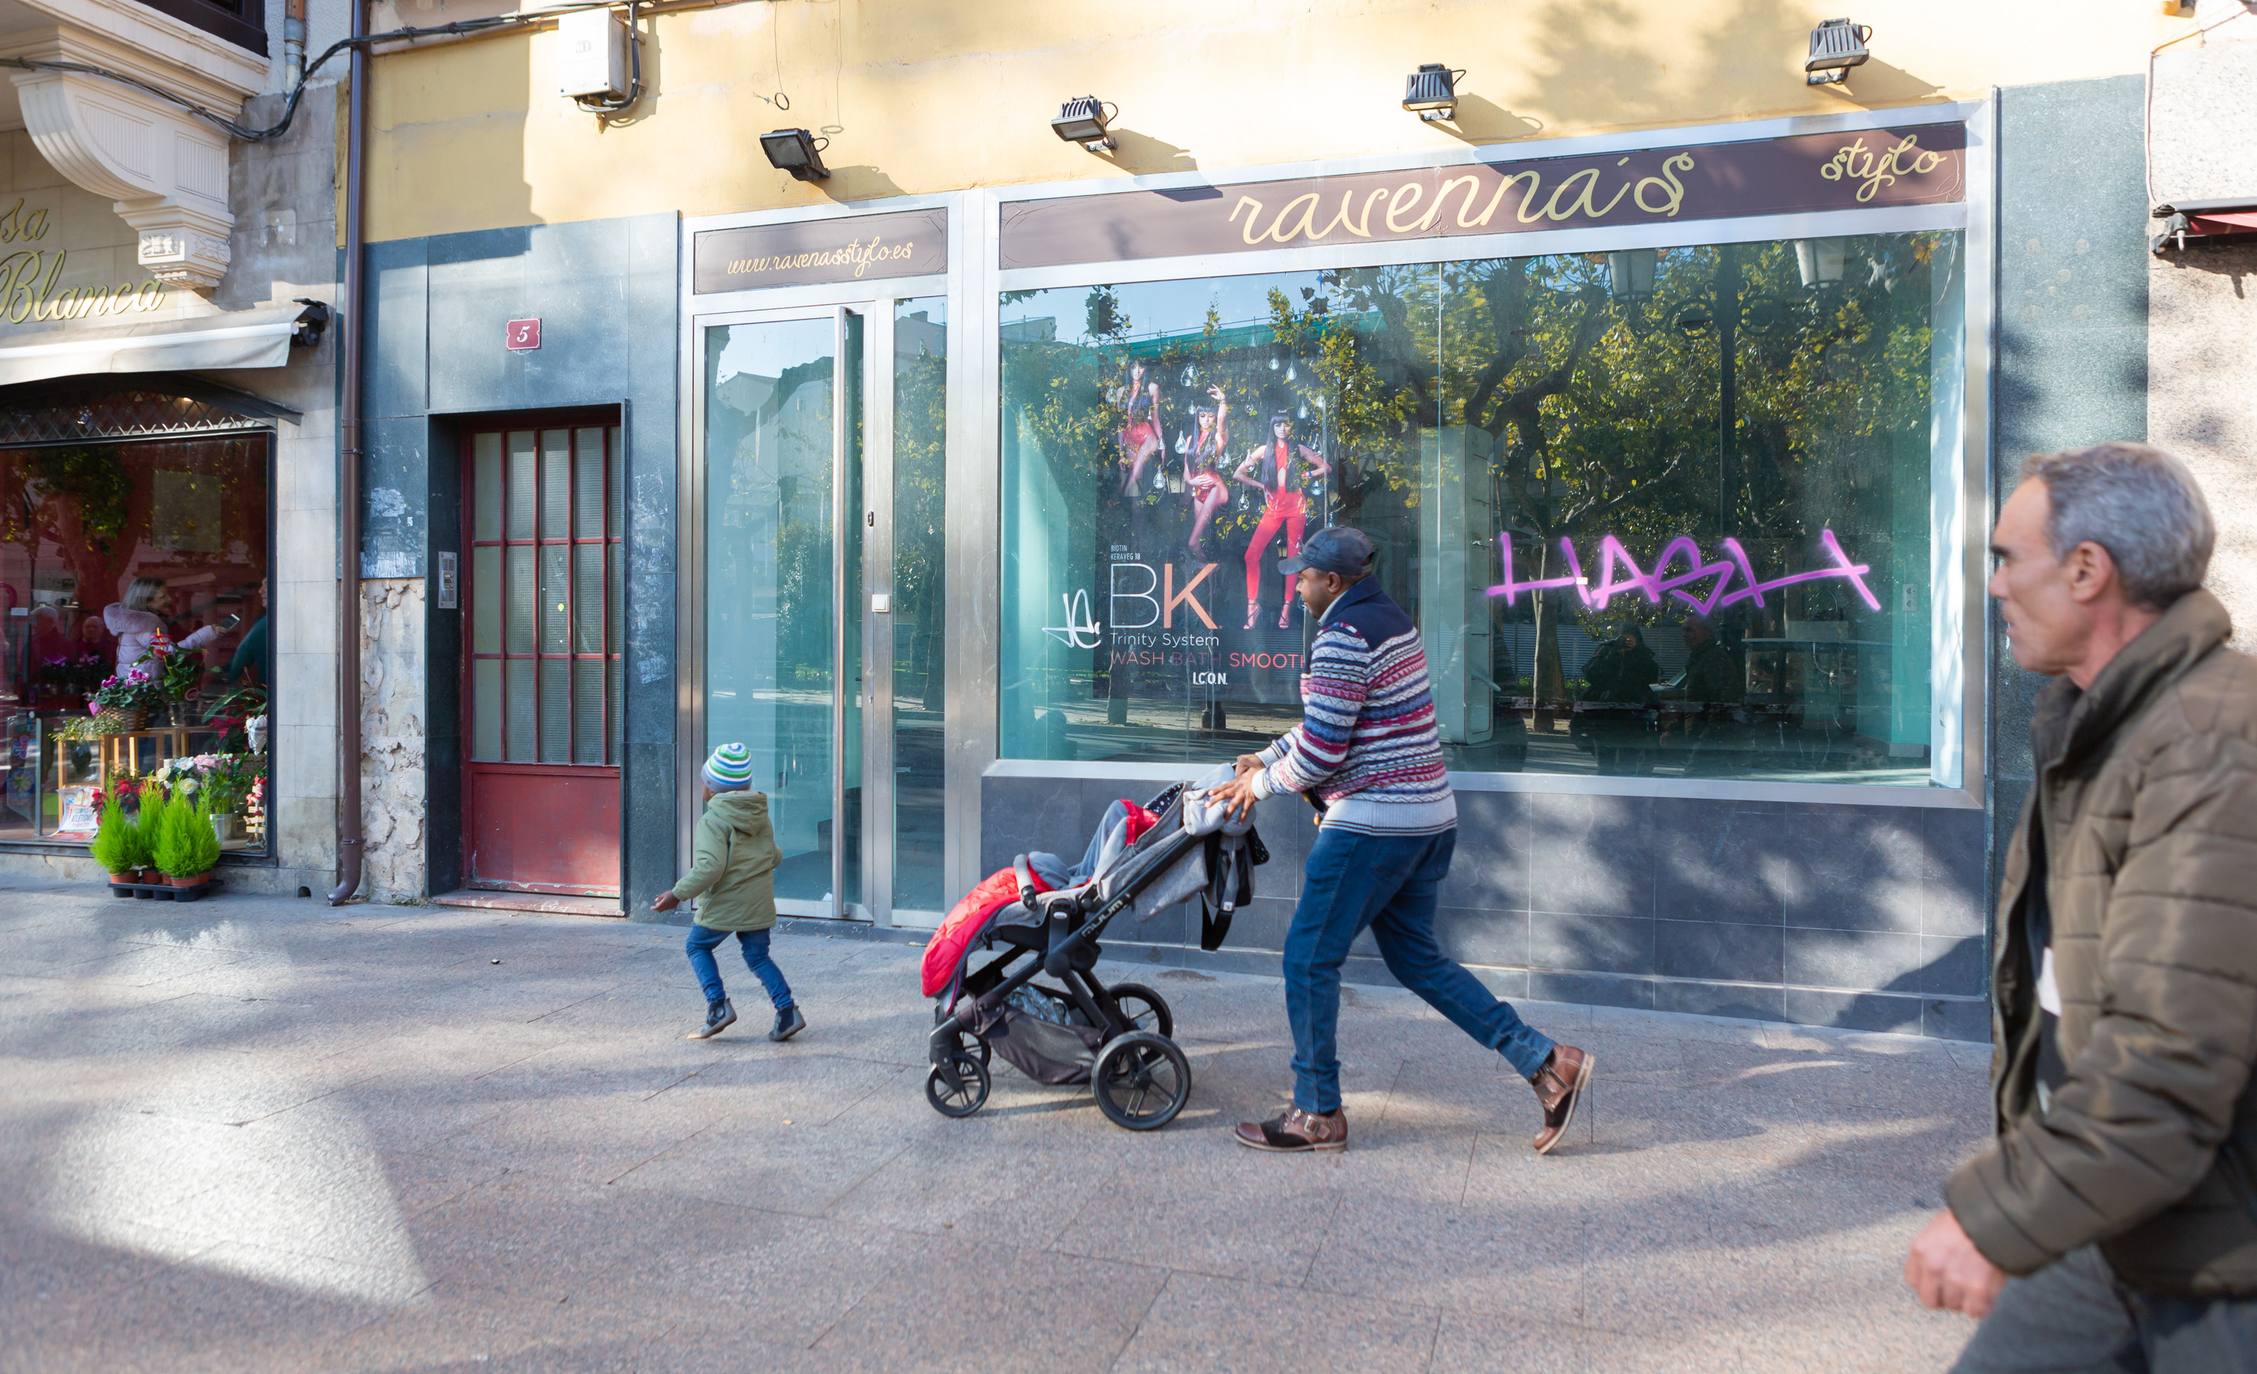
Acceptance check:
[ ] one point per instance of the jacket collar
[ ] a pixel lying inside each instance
(2069, 725)
(1365, 590)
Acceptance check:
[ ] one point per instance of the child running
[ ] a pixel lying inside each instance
(734, 880)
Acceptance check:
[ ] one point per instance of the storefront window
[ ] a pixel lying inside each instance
(108, 554)
(1657, 513)
(919, 626)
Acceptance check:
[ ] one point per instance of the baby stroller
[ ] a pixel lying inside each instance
(1041, 919)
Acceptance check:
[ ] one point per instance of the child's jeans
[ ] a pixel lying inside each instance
(755, 944)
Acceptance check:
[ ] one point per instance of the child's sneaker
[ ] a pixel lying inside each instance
(719, 1016)
(788, 1023)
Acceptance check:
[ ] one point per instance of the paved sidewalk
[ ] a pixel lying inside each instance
(257, 1134)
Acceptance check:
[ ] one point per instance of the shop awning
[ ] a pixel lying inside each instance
(258, 337)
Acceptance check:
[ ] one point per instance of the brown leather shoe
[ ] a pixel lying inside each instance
(1296, 1132)
(1560, 1085)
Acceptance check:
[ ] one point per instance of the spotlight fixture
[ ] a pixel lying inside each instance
(1836, 45)
(1821, 261)
(1083, 120)
(795, 151)
(1431, 92)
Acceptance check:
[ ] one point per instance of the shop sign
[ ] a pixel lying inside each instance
(908, 243)
(31, 273)
(1912, 165)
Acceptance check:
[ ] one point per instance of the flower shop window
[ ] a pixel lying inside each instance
(135, 639)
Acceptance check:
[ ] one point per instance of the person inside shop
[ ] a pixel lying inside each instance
(144, 613)
(1273, 471)
(1618, 687)
(249, 665)
(1140, 425)
(1715, 687)
(1202, 460)
(1368, 751)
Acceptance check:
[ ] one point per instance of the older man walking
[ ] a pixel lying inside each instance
(2118, 1193)
(1367, 747)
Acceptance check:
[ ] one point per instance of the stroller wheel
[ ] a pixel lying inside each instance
(957, 1086)
(1143, 1008)
(1141, 1080)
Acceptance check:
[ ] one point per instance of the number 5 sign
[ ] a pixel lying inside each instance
(522, 336)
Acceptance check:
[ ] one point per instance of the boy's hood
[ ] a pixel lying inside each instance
(743, 812)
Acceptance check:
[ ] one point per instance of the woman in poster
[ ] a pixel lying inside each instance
(1283, 506)
(1140, 428)
(1202, 476)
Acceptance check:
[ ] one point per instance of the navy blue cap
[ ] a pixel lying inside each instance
(1342, 549)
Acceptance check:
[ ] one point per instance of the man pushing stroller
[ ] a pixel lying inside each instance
(1368, 750)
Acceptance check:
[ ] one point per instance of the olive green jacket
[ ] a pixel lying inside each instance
(2147, 792)
(734, 878)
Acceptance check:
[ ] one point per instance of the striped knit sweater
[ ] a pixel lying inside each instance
(1366, 743)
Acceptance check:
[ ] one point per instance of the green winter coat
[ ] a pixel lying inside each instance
(734, 877)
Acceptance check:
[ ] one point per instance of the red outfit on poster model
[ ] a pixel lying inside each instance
(1202, 480)
(1140, 430)
(1284, 506)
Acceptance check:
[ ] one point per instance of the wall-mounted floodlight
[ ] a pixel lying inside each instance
(1836, 45)
(1431, 92)
(1821, 261)
(1083, 120)
(795, 151)
(1630, 273)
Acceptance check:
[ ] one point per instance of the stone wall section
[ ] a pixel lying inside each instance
(394, 783)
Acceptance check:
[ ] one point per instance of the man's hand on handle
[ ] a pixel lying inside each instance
(1946, 1269)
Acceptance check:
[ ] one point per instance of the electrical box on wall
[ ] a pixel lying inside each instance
(591, 61)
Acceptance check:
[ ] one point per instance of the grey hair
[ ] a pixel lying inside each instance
(141, 591)
(2139, 503)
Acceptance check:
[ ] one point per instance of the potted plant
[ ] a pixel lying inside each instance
(117, 845)
(187, 850)
(148, 821)
(179, 674)
(124, 700)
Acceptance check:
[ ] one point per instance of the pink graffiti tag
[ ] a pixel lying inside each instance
(1734, 578)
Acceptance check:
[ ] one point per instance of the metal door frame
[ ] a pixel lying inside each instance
(874, 518)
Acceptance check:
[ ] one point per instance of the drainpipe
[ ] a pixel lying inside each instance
(349, 843)
(293, 43)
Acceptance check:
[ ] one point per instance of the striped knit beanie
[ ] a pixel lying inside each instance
(729, 769)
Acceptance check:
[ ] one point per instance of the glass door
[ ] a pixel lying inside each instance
(782, 529)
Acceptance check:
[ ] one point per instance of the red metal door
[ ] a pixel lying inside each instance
(542, 656)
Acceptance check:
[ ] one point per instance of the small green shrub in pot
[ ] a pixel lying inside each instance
(200, 842)
(113, 845)
(149, 824)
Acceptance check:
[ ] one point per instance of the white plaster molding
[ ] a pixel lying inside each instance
(163, 168)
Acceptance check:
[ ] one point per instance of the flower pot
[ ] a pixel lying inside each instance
(226, 825)
(192, 880)
(121, 884)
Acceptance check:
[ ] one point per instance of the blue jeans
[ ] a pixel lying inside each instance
(1387, 882)
(755, 944)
